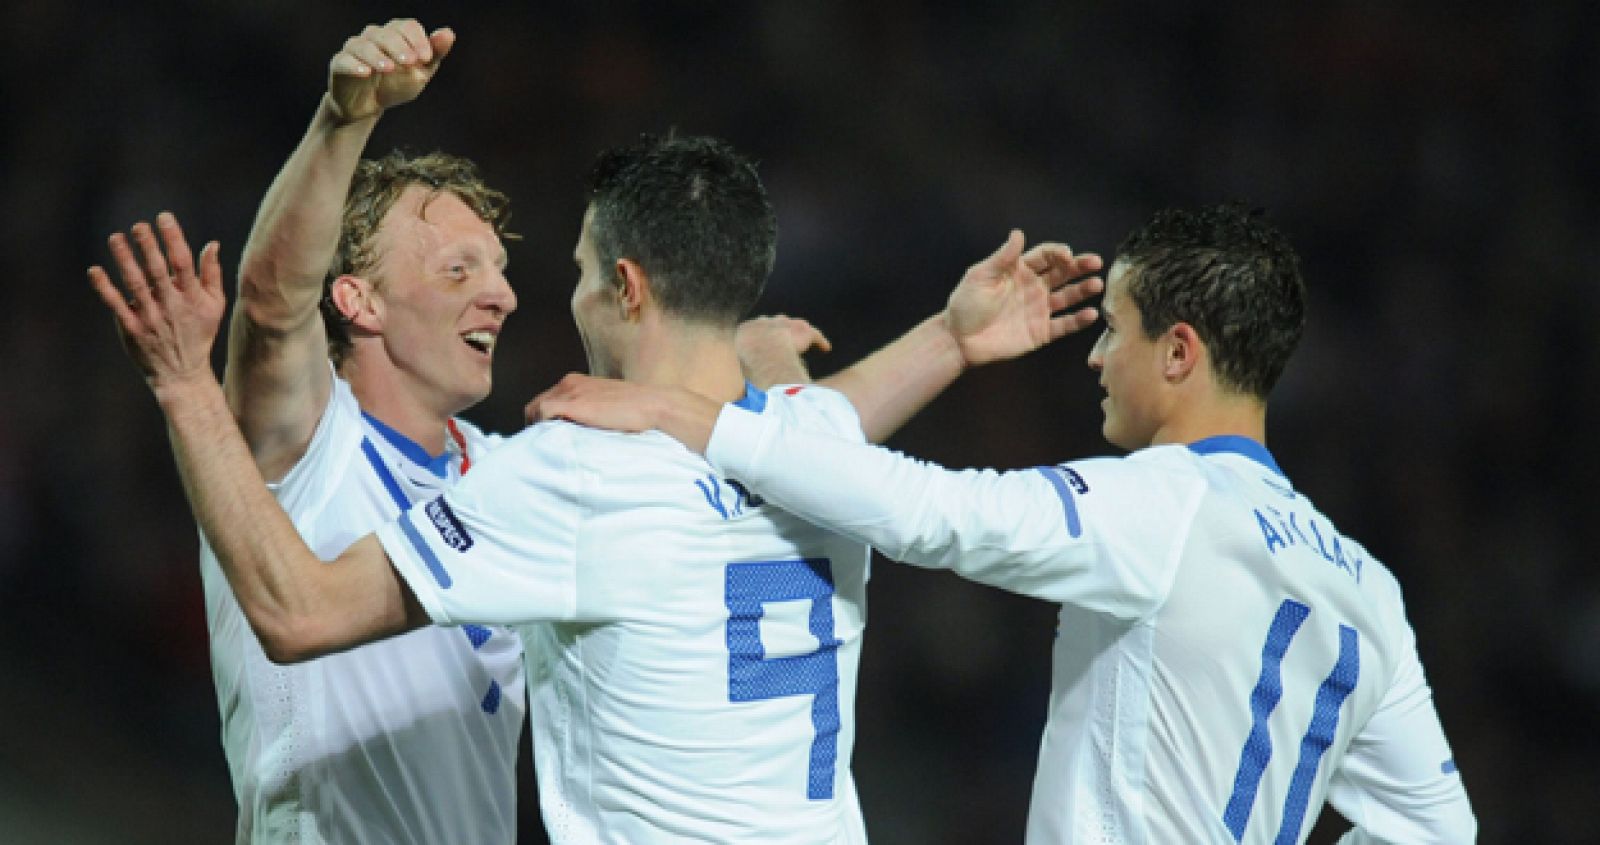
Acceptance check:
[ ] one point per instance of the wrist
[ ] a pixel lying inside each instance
(176, 394)
(335, 118)
(946, 344)
(687, 417)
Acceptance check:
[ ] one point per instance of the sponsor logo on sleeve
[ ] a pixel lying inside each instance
(1079, 486)
(449, 527)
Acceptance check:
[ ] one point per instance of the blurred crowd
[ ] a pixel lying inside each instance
(1433, 161)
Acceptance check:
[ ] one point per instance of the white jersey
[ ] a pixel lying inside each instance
(698, 684)
(408, 740)
(1225, 658)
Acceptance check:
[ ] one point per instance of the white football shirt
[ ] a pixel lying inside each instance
(1225, 658)
(408, 740)
(698, 682)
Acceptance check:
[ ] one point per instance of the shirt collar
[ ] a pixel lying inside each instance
(1238, 445)
(753, 400)
(438, 465)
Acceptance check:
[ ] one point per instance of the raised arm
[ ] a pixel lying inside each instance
(1006, 305)
(298, 607)
(277, 378)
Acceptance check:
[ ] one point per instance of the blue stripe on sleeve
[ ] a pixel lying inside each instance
(1074, 525)
(425, 552)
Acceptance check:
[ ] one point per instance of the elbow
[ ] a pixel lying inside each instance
(288, 641)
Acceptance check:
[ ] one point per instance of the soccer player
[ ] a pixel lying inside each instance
(412, 740)
(1226, 657)
(697, 678)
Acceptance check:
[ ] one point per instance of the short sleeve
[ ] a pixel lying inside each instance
(499, 547)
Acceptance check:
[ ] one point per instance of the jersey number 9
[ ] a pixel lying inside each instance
(752, 676)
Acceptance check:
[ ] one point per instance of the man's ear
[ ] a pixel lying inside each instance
(1184, 352)
(354, 297)
(633, 289)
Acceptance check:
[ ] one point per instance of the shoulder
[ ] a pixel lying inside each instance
(334, 443)
(566, 447)
(476, 440)
(1156, 470)
(814, 406)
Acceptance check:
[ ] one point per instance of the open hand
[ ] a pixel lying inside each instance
(1014, 302)
(169, 316)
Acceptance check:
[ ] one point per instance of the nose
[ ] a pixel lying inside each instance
(499, 297)
(1097, 356)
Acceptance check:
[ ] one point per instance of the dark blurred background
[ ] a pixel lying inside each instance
(1434, 164)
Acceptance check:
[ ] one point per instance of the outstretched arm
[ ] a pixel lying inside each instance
(277, 377)
(298, 607)
(1006, 305)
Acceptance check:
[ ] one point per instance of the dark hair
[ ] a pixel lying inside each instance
(1228, 273)
(378, 183)
(693, 213)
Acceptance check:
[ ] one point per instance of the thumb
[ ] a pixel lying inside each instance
(442, 39)
(1006, 256)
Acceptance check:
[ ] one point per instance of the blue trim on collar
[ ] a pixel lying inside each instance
(439, 466)
(753, 400)
(1238, 445)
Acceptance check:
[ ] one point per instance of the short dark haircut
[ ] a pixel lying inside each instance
(377, 184)
(693, 213)
(1231, 275)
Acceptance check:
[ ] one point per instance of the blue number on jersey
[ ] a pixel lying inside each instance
(1324, 723)
(754, 677)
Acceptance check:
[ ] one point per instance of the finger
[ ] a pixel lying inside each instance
(1083, 265)
(127, 266)
(808, 336)
(346, 64)
(821, 341)
(367, 50)
(415, 37)
(1069, 295)
(211, 268)
(178, 252)
(1047, 256)
(155, 264)
(1007, 255)
(113, 299)
(1074, 322)
(393, 44)
(442, 41)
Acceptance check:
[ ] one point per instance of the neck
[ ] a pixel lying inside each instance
(700, 359)
(1245, 416)
(380, 394)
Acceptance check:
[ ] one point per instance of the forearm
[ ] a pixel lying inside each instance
(277, 375)
(891, 385)
(296, 231)
(297, 605)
